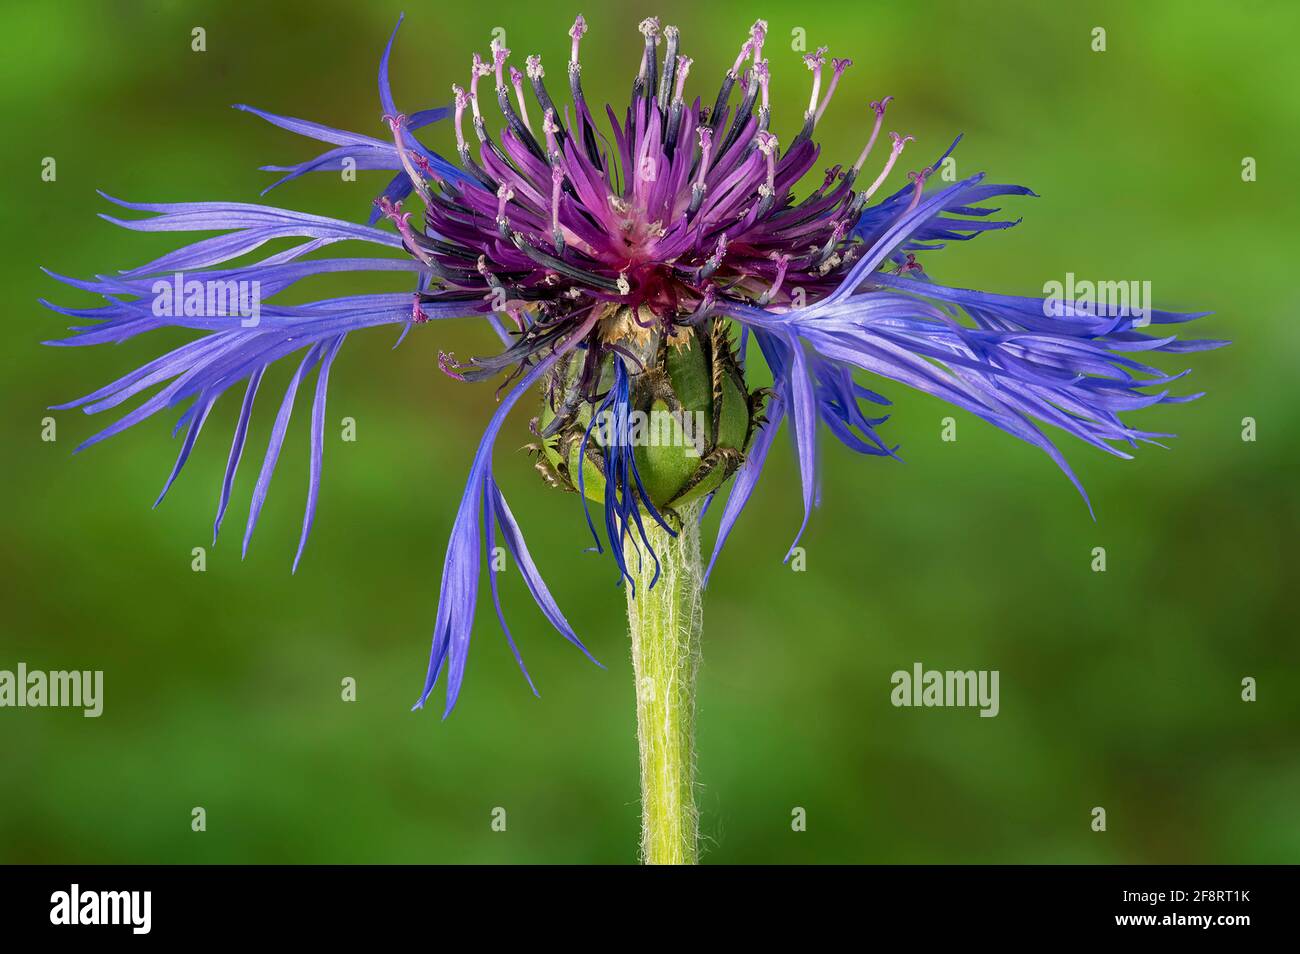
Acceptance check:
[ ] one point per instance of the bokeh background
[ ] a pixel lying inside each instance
(1118, 689)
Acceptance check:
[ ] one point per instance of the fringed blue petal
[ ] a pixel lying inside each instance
(365, 152)
(331, 348)
(458, 594)
(1010, 360)
(746, 477)
(490, 493)
(233, 348)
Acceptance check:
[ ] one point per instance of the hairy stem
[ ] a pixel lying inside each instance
(665, 624)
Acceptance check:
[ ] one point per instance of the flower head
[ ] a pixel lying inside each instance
(626, 267)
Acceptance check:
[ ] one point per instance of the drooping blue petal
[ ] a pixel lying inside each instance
(458, 594)
(236, 449)
(331, 349)
(490, 493)
(276, 442)
(746, 478)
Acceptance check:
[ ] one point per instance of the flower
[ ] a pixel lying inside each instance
(625, 273)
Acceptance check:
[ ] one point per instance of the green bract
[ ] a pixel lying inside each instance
(691, 415)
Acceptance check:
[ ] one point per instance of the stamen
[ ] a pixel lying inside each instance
(552, 130)
(704, 308)
(517, 125)
(517, 81)
(879, 107)
(504, 195)
(575, 90)
(488, 276)
(678, 106)
(728, 82)
(758, 33)
(576, 31)
(706, 150)
(894, 152)
(745, 49)
(683, 67)
(477, 68)
(396, 124)
(499, 56)
(647, 80)
(838, 66)
(714, 261)
(557, 179)
(832, 174)
(763, 75)
(782, 263)
(767, 145)
(462, 100)
(462, 148)
(815, 62)
(670, 66)
(742, 117)
(535, 74)
(918, 186)
(402, 220)
(837, 236)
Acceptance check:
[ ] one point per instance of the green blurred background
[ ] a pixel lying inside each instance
(1118, 689)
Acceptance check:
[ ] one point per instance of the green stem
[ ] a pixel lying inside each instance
(665, 623)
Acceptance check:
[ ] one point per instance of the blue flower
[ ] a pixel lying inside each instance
(599, 263)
